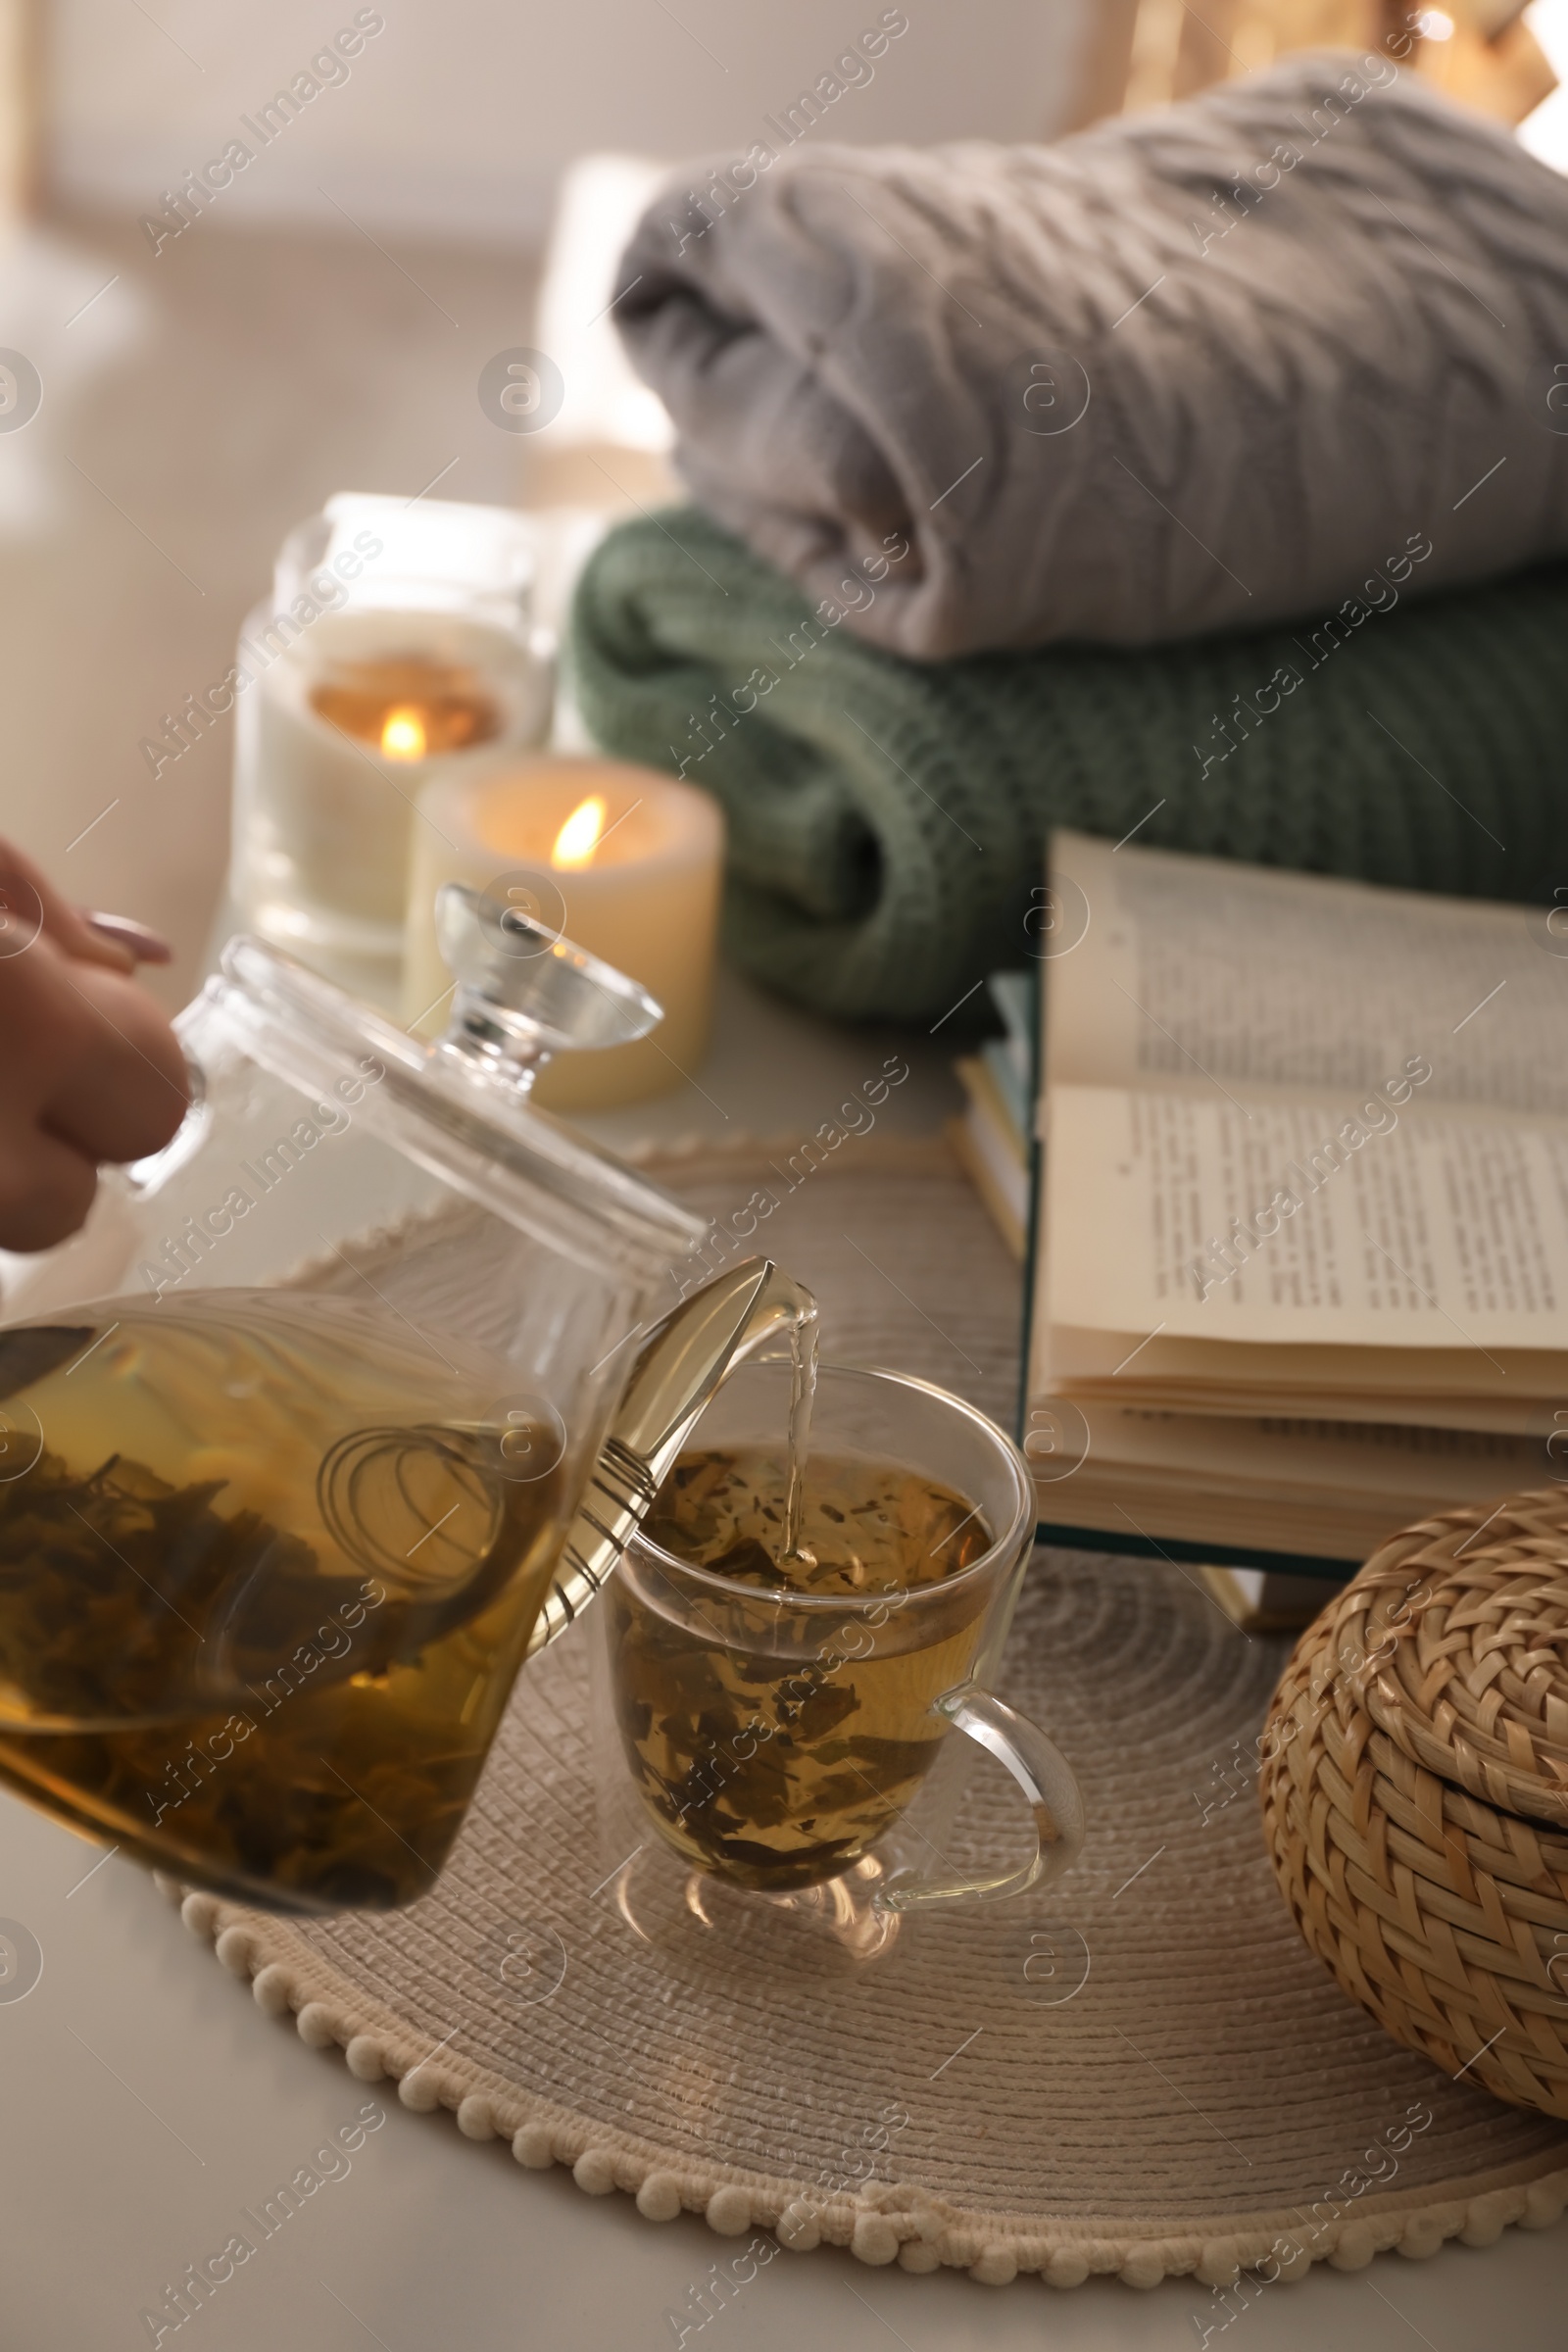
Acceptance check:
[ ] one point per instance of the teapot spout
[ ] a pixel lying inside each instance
(680, 1364)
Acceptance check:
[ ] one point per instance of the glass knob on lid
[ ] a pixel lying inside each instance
(523, 992)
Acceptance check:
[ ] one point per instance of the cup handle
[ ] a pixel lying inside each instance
(1049, 1784)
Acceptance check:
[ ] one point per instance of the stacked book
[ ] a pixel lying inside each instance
(995, 1134)
(1301, 1273)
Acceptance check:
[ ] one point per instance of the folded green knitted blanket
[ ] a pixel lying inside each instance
(887, 819)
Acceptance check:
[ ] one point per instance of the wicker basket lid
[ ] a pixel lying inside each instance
(1455, 1638)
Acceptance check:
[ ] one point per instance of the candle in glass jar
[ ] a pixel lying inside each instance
(348, 728)
(410, 653)
(623, 860)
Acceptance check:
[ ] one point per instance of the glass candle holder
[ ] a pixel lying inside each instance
(398, 646)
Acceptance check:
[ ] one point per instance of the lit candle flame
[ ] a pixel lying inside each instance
(403, 734)
(578, 837)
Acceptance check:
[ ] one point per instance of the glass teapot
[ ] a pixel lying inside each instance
(336, 1409)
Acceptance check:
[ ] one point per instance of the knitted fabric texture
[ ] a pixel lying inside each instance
(1192, 369)
(887, 819)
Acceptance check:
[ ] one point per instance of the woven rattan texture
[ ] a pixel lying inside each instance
(1417, 1792)
(1144, 2073)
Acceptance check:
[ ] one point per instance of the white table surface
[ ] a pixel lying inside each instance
(145, 2099)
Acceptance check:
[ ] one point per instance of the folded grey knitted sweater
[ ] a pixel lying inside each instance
(1185, 372)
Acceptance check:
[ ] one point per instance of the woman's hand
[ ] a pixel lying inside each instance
(89, 1068)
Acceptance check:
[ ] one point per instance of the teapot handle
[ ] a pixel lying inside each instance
(683, 1360)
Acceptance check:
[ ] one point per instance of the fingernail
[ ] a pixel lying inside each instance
(147, 947)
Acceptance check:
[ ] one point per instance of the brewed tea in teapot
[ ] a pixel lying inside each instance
(265, 1580)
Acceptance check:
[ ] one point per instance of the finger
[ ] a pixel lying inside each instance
(46, 1189)
(124, 1092)
(33, 905)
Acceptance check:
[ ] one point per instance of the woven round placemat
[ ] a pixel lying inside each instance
(1142, 2073)
(1415, 1792)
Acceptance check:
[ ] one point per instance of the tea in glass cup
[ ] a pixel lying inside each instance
(779, 1711)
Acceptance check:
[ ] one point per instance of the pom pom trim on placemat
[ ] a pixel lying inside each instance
(889, 2223)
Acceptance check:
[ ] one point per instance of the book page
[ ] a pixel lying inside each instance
(1257, 1219)
(1165, 971)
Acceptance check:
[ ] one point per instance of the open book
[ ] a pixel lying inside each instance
(1302, 1260)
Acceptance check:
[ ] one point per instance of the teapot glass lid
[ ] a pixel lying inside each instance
(459, 1108)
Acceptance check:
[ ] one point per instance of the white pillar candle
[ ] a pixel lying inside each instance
(621, 860)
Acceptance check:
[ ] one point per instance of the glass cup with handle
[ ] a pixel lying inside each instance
(795, 1743)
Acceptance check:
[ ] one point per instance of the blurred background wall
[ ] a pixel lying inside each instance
(459, 116)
